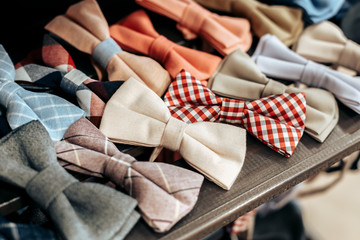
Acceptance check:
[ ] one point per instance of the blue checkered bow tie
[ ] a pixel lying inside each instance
(23, 106)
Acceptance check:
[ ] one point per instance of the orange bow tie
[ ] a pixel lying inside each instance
(226, 34)
(136, 33)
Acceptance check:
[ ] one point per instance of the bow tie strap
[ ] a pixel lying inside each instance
(335, 47)
(136, 33)
(224, 33)
(239, 77)
(104, 51)
(199, 143)
(86, 19)
(79, 210)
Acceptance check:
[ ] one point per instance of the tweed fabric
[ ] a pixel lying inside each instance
(78, 210)
(216, 150)
(226, 34)
(277, 120)
(137, 34)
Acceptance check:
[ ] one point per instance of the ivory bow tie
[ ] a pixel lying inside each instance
(22, 106)
(325, 42)
(239, 77)
(226, 34)
(284, 22)
(79, 210)
(84, 26)
(276, 60)
(314, 10)
(136, 33)
(135, 115)
(165, 193)
(277, 120)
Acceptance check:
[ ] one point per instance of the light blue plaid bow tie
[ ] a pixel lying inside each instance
(55, 113)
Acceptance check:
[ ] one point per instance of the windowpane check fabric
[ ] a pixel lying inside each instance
(165, 193)
(136, 33)
(136, 115)
(276, 60)
(226, 34)
(239, 77)
(277, 120)
(85, 27)
(78, 210)
(22, 106)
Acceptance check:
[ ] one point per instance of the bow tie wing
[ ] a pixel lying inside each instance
(84, 147)
(136, 32)
(328, 38)
(7, 71)
(155, 127)
(225, 34)
(80, 210)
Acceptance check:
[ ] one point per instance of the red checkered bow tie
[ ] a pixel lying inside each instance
(277, 120)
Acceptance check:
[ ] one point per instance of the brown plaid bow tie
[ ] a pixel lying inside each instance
(165, 193)
(277, 120)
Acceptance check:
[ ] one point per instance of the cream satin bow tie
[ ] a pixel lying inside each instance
(135, 115)
(325, 42)
(239, 77)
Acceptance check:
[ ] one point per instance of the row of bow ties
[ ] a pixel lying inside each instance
(185, 100)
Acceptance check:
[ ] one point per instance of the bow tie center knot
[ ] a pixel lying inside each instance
(48, 184)
(104, 51)
(118, 167)
(173, 134)
(160, 48)
(72, 80)
(313, 74)
(8, 88)
(348, 55)
(193, 17)
(273, 88)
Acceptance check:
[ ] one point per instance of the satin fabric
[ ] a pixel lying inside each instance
(239, 77)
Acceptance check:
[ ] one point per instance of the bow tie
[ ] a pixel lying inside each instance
(22, 106)
(226, 34)
(284, 22)
(239, 77)
(85, 27)
(85, 149)
(314, 10)
(325, 42)
(135, 115)
(276, 60)
(277, 120)
(79, 210)
(136, 33)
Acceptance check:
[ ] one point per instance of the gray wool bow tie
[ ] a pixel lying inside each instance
(79, 210)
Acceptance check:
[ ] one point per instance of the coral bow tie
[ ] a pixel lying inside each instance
(277, 120)
(136, 33)
(224, 33)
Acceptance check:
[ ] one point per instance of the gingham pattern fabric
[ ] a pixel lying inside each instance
(277, 120)
(165, 193)
(22, 106)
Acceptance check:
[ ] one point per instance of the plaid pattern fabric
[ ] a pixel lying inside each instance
(18, 231)
(277, 120)
(165, 193)
(23, 106)
(91, 95)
